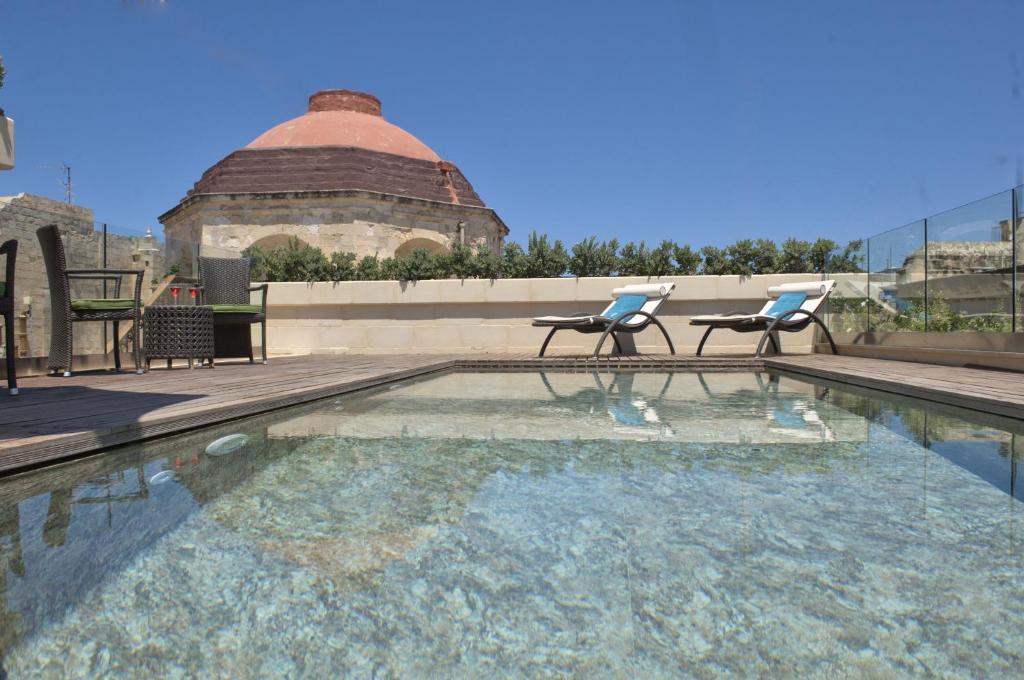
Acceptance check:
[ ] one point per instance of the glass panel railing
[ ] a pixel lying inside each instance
(896, 286)
(848, 304)
(970, 267)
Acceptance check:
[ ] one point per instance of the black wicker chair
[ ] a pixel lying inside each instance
(65, 311)
(10, 249)
(224, 285)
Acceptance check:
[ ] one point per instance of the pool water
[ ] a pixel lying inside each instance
(532, 525)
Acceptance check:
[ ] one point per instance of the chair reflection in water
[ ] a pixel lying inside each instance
(629, 410)
(793, 413)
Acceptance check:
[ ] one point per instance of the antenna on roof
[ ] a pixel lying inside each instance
(66, 181)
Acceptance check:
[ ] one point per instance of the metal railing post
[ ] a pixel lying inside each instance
(1015, 220)
(926, 312)
(867, 291)
(104, 265)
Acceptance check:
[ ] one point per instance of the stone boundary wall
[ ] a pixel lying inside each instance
(484, 316)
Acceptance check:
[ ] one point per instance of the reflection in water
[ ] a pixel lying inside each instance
(988, 446)
(630, 411)
(11, 561)
(476, 523)
(58, 516)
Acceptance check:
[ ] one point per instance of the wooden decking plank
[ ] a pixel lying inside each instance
(990, 391)
(113, 408)
(52, 448)
(959, 382)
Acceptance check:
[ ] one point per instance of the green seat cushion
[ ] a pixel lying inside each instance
(236, 309)
(3, 288)
(106, 305)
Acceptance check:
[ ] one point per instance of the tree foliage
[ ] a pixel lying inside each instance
(544, 258)
(687, 260)
(592, 258)
(487, 264)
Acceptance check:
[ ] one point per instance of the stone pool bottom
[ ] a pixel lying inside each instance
(788, 537)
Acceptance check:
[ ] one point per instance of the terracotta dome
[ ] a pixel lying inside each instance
(341, 144)
(344, 118)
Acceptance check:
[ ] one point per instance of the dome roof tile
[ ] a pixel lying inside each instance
(344, 118)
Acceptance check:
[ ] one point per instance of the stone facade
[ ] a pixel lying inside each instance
(361, 222)
(20, 216)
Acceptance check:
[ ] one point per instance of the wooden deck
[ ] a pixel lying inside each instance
(57, 418)
(981, 389)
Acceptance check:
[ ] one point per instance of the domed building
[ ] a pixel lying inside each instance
(339, 177)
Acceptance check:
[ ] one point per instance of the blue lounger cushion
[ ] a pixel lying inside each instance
(625, 303)
(785, 303)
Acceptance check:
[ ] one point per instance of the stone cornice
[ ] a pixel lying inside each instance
(195, 199)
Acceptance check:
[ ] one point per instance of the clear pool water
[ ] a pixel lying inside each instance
(532, 525)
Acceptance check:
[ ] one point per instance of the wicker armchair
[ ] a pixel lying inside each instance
(224, 285)
(10, 249)
(64, 310)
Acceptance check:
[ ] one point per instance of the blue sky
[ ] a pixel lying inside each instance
(702, 122)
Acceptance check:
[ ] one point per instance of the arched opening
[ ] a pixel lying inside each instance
(277, 241)
(412, 244)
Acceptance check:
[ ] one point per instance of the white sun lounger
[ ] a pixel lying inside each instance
(791, 307)
(632, 309)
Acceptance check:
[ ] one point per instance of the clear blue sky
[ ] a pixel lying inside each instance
(697, 121)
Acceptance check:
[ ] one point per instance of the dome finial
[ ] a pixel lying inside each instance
(344, 100)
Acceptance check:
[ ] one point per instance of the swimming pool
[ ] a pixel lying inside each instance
(532, 524)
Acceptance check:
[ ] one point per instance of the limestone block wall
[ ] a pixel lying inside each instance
(379, 317)
(20, 216)
(365, 223)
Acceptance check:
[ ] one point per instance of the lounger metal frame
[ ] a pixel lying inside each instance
(606, 328)
(770, 329)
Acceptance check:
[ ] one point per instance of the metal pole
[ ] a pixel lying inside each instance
(104, 250)
(1015, 217)
(867, 292)
(926, 275)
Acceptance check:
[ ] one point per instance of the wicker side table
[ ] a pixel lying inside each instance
(178, 332)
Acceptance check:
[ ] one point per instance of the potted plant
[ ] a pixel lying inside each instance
(6, 131)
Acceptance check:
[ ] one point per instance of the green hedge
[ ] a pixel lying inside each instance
(543, 258)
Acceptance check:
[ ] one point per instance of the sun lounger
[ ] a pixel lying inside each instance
(791, 307)
(633, 308)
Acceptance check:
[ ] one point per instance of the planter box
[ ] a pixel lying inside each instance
(6, 143)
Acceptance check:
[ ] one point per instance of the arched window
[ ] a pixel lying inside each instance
(417, 243)
(277, 241)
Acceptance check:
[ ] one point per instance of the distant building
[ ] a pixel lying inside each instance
(973, 277)
(338, 177)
